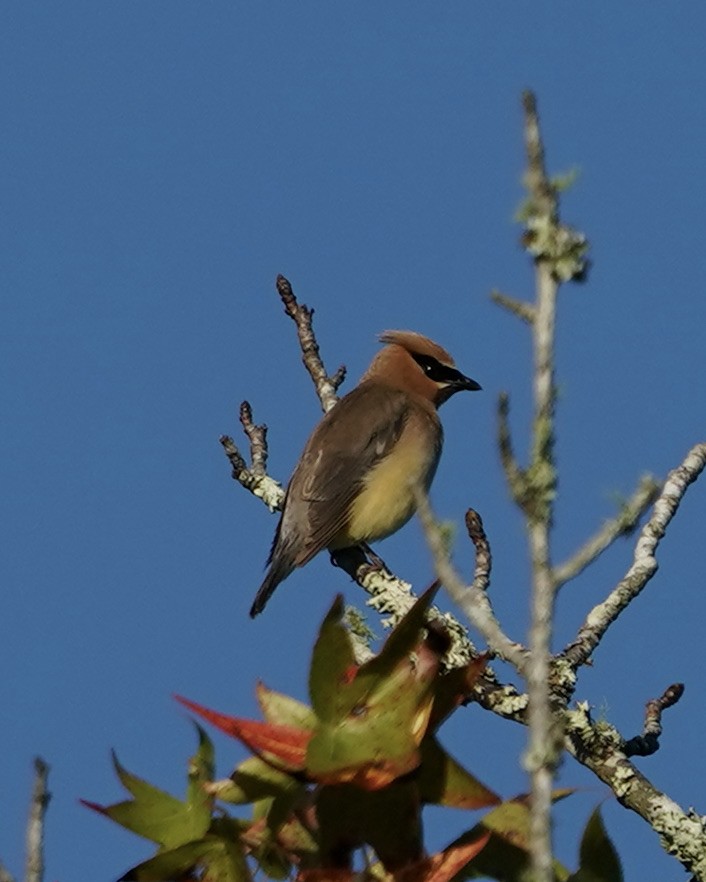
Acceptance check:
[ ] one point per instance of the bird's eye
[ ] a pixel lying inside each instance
(435, 370)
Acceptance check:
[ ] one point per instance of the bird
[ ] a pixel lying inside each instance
(355, 480)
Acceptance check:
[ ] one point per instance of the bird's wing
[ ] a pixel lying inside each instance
(351, 439)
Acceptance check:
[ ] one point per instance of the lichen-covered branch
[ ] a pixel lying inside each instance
(622, 524)
(644, 564)
(302, 316)
(543, 753)
(392, 598)
(600, 748)
(254, 477)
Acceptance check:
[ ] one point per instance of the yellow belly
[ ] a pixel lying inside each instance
(387, 500)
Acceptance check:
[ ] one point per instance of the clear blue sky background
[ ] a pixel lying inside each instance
(161, 163)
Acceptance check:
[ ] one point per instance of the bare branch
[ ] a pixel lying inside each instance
(648, 742)
(484, 558)
(472, 599)
(34, 866)
(257, 436)
(644, 564)
(621, 525)
(5, 874)
(254, 477)
(326, 386)
(536, 180)
(524, 311)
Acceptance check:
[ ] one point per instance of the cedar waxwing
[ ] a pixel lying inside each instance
(354, 481)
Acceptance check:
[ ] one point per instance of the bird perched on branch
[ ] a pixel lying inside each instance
(354, 482)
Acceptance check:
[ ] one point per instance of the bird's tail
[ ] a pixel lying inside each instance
(279, 569)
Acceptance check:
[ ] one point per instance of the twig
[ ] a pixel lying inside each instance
(484, 558)
(621, 525)
(326, 386)
(473, 598)
(253, 478)
(648, 742)
(34, 866)
(524, 311)
(257, 436)
(5, 874)
(514, 475)
(644, 564)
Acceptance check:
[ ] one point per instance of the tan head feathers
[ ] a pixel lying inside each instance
(417, 344)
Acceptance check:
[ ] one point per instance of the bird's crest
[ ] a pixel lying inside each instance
(417, 344)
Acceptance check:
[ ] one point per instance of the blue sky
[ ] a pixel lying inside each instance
(162, 162)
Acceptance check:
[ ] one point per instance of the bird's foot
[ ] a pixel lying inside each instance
(376, 562)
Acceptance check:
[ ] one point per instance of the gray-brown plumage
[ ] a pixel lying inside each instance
(354, 481)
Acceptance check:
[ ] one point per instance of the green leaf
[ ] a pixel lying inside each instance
(272, 861)
(333, 664)
(283, 710)
(254, 779)
(201, 772)
(157, 815)
(598, 859)
(379, 739)
(217, 859)
(373, 719)
(442, 781)
(388, 820)
(403, 639)
(454, 688)
(506, 855)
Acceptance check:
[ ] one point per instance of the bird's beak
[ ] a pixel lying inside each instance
(464, 382)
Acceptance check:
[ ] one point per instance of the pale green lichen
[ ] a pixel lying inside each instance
(562, 247)
(269, 490)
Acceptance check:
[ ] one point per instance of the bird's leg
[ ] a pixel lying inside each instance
(375, 560)
(358, 561)
(349, 559)
(357, 556)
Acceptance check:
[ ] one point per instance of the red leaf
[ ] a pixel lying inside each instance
(101, 809)
(282, 746)
(443, 866)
